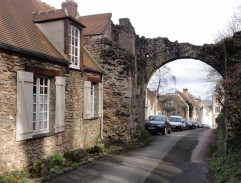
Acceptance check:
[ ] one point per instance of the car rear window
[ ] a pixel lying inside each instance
(175, 119)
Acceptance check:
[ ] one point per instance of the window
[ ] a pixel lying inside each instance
(74, 46)
(93, 103)
(217, 109)
(170, 103)
(40, 105)
(33, 105)
(92, 99)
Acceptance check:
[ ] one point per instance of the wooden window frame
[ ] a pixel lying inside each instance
(71, 56)
(36, 127)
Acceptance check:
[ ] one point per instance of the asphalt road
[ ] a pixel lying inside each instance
(179, 157)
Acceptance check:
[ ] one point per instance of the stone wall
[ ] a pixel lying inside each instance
(119, 71)
(129, 61)
(78, 133)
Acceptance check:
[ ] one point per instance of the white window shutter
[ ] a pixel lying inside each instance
(59, 104)
(24, 124)
(87, 100)
(100, 99)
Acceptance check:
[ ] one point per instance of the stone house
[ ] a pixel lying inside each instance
(195, 109)
(51, 87)
(207, 115)
(152, 106)
(174, 105)
(216, 108)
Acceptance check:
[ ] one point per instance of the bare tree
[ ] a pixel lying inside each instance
(161, 79)
(233, 26)
(213, 78)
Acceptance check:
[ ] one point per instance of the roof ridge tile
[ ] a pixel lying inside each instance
(45, 4)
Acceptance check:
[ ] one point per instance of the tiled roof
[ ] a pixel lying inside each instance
(18, 30)
(53, 15)
(207, 108)
(48, 15)
(96, 24)
(90, 63)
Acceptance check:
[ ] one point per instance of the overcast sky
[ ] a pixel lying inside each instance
(193, 21)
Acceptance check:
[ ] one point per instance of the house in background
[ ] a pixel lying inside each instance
(207, 115)
(51, 93)
(152, 107)
(174, 105)
(195, 105)
(216, 108)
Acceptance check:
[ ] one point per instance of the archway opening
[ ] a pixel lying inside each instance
(186, 88)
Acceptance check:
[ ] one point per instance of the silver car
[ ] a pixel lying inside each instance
(177, 123)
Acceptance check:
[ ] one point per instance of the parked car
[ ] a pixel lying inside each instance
(186, 127)
(197, 124)
(177, 123)
(205, 126)
(191, 124)
(158, 124)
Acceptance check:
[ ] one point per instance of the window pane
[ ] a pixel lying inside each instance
(34, 126)
(34, 116)
(46, 82)
(75, 61)
(41, 90)
(76, 52)
(45, 99)
(34, 107)
(76, 42)
(76, 33)
(34, 97)
(45, 124)
(41, 125)
(34, 90)
(41, 116)
(72, 50)
(72, 31)
(41, 99)
(34, 81)
(41, 107)
(45, 90)
(45, 107)
(45, 116)
(41, 81)
(72, 41)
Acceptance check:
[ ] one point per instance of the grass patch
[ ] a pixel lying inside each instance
(226, 166)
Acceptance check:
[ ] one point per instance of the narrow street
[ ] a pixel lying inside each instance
(178, 157)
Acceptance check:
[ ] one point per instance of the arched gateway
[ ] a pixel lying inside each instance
(160, 51)
(129, 61)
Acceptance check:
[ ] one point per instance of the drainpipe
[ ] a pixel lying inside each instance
(102, 101)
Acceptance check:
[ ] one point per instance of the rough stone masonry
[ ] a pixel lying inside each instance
(129, 61)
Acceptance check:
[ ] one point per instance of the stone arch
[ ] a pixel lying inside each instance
(160, 51)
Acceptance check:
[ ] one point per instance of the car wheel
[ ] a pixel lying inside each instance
(165, 131)
(170, 131)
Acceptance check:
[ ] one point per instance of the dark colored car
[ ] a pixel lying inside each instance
(186, 127)
(197, 124)
(158, 124)
(190, 124)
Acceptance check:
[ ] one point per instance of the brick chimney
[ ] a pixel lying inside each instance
(185, 91)
(71, 6)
